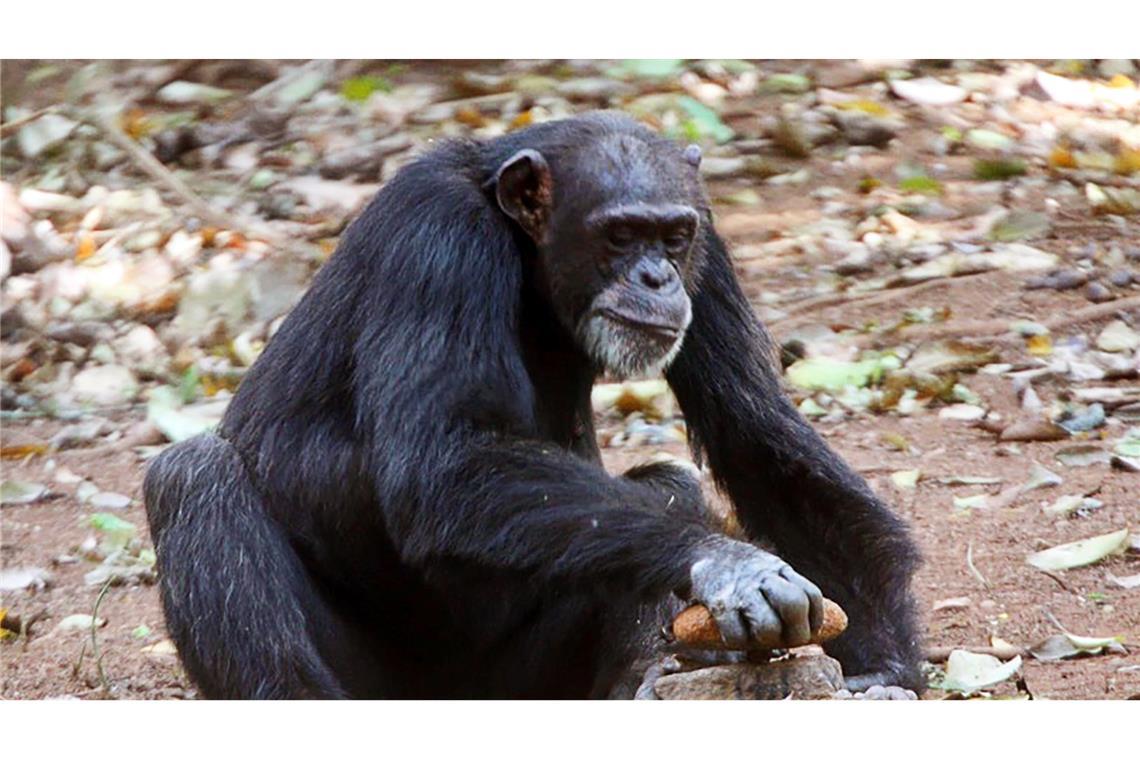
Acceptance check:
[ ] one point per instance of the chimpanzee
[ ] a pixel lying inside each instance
(405, 497)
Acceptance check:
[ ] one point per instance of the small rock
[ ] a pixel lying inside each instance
(805, 677)
(1121, 278)
(44, 133)
(1063, 279)
(80, 434)
(860, 128)
(1110, 67)
(965, 412)
(141, 349)
(105, 386)
(363, 160)
(928, 91)
(109, 500)
(84, 334)
(1097, 292)
(1118, 337)
(19, 578)
(191, 93)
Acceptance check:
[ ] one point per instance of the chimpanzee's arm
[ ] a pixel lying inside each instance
(788, 486)
(519, 506)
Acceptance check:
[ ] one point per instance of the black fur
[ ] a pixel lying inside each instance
(405, 498)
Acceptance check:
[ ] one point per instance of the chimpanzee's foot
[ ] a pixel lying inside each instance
(877, 692)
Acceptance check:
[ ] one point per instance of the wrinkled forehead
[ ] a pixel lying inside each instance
(628, 170)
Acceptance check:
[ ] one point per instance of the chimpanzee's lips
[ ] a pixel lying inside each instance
(656, 329)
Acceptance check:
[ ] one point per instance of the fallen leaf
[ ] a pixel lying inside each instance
(1082, 456)
(1112, 200)
(1034, 430)
(1066, 505)
(905, 479)
(80, 622)
(20, 492)
(968, 673)
(164, 648)
(1128, 581)
(19, 578)
(1080, 553)
(825, 374)
(991, 169)
(928, 91)
(1061, 646)
(953, 603)
(1039, 477)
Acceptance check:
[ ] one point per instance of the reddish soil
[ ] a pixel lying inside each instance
(1014, 604)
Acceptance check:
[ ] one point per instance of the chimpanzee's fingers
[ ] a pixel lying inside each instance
(732, 627)
(814, 595)
(791, 604)
(766, 630)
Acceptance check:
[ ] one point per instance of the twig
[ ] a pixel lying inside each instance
(157, 171)
(973, 568)
(1060, 582)
(992, 327)
(942, 654)
(869, 298)
(95, 640)
(11, 126)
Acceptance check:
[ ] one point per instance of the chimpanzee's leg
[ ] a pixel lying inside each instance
(247, 619)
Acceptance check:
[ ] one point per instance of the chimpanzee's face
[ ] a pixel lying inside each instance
(615, 228)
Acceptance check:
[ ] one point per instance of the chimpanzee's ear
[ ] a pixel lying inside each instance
(693, 155)
(523, 189)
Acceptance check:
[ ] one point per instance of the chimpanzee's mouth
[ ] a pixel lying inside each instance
(663, 332)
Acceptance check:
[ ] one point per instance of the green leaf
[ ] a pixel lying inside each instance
(360, 89)
(1020, 225)
(824, 374)
(116, 531)
(649, 68)
(990, 169)
(705, 119)
(165, 411)
(920, 183)
(792, 84)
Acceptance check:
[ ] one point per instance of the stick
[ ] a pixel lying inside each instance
(983, 327)
(695, 627)
(942, 654)
(11, 126)
(158, 172)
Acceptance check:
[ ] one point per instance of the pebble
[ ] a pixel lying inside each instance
(859, 128)
(1089, 418)
(1097, 292)
(1121, 278)
(1064, 279)
(105, 385)
(1118, 337)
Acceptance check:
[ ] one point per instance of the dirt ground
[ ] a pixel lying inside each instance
(1014, 602)
(1014, 606)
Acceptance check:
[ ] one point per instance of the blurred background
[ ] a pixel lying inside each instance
(948, 253)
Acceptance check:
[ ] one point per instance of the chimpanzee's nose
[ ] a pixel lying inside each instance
(656, 274)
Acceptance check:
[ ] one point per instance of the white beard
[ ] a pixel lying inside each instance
(622, 350)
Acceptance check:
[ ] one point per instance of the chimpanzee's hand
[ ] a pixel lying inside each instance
(757, 599)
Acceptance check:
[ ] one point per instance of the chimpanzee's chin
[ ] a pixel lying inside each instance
(624, 350)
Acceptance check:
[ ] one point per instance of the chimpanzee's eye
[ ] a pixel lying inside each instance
(621, 236)
(676, 243)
